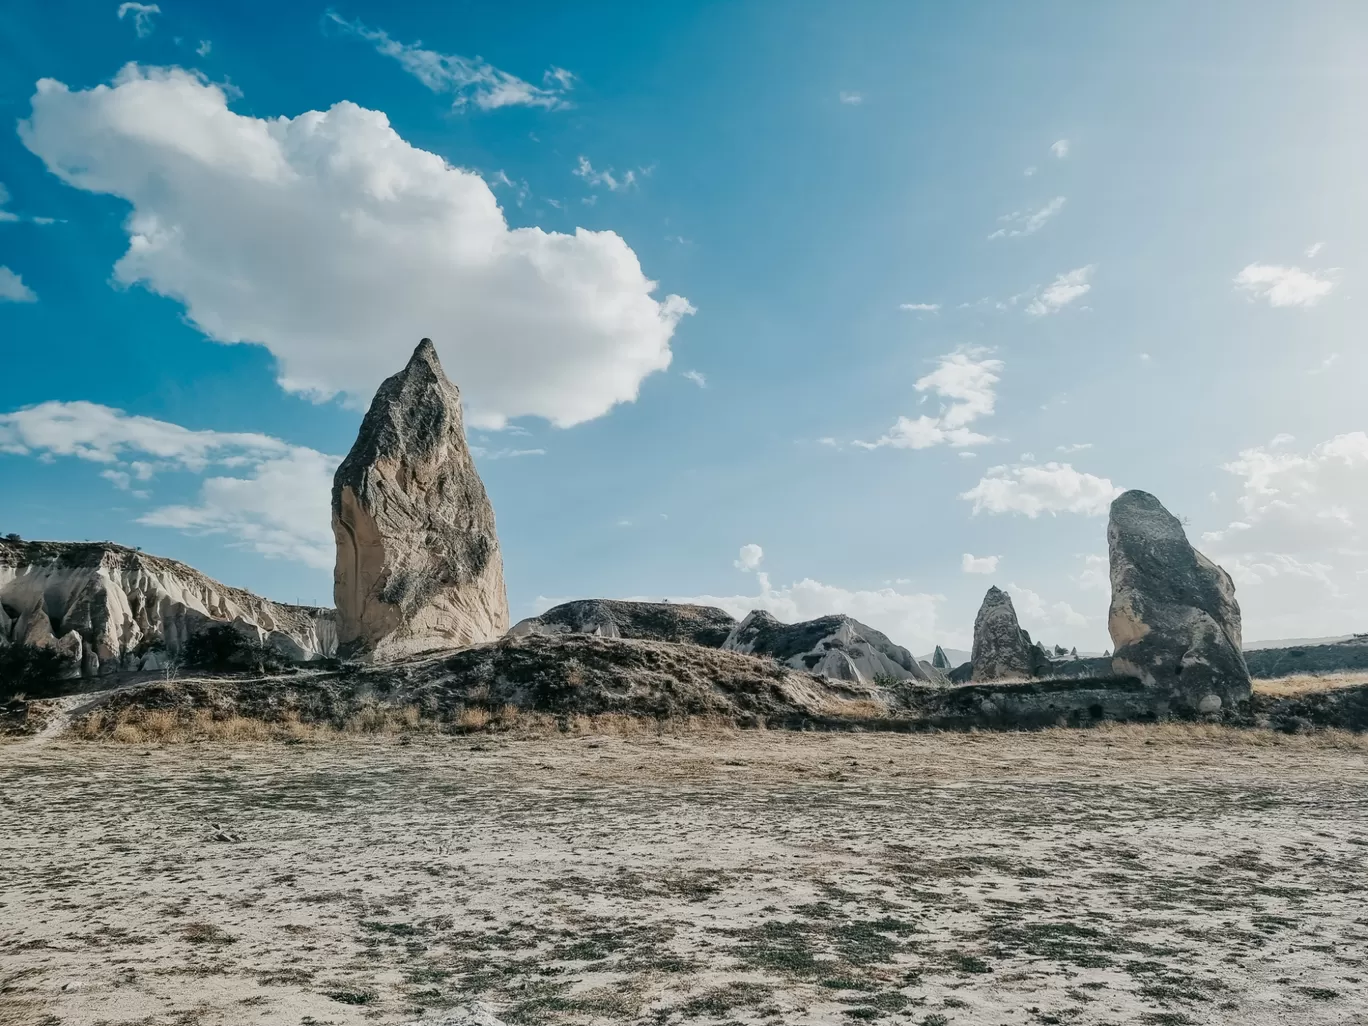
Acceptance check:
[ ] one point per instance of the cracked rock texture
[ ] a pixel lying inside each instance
(418, 562)
(107, 607)
(1173, 619)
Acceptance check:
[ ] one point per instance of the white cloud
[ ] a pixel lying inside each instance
(1061, 292)
(337, 245)
(979, 564)
(6, 215)
(1284, 286)
(1095, 575)
(697, 377)
(1034, 489)
(481, 453)
(1027, 222)
(1060, 148)
(1075, 447)
(276, 501)
(467, 79)
(13, 289)
(142, 17)
(909, 619)
(920, 307)
(749, 557)
(1037, 615)
(1313, 249)
(1325, 364)
(968, 380)
(204, 47)
(852, 99)
(607, 178)
(1029, 171)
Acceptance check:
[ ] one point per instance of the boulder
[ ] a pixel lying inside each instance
(1002, 650)
(110, 608)
(418, 562)
(1173, 619)
(837, 647)
(678, 622)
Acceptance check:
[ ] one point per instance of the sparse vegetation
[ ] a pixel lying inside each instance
(31, 670)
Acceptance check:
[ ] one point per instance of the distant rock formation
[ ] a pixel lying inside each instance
(418, 561)
(1002, 650)
(1173, 618)
(831, 646)
(678, 622)
(940, 661)
(107, 608)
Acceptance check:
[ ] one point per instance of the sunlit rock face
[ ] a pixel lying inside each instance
(1173, 619)
(418, 562)
(106, 607)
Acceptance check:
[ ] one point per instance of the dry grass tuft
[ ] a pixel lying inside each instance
(1216, 735)
(1307, 683)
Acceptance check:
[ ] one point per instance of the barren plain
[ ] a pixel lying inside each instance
(1150, 874)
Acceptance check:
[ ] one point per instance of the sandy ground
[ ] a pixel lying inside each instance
(1141, 875)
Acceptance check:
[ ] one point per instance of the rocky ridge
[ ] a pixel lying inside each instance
(838, 647)
(677, 622)
(107, 608)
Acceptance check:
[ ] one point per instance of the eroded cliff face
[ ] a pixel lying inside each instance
(108, 607)
(418, 562)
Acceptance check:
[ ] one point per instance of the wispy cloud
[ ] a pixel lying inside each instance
(1060, 148)
(851, 99)
(920, 307)
(608, 178)
(269, 496)
(1027, 222)
(697, 377)
(204, 47)
(467, 79)
(142, 17)
(1313, 249)
(1284, 286)
(968, 379)
(1069, 286)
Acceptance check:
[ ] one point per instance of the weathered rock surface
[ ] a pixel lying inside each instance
(1002, 650)
(107, 608)
(677, 622)
(837, 646)
(418, 561)
(1173, 617)
(940, 661)
(1327, 658)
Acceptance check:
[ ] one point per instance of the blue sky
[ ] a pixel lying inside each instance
(822, 307)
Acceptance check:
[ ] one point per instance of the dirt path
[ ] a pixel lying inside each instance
(1086, 877)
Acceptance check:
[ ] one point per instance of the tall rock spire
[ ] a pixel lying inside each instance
(418, 562)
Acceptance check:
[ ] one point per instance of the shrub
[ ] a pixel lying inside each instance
(223, 647)
(31, 670)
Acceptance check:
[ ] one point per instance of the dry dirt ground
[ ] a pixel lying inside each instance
(1130, 875)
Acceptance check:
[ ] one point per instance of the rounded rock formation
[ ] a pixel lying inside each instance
(1173, 617)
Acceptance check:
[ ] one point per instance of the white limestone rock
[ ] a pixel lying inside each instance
(108, 607)
(418, 562)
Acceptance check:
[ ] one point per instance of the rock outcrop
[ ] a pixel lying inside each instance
(1173, 617)
(676, 622)
(940, 661)
(107, 608)
(837, 647)
(418, 561)
(1002, 650)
